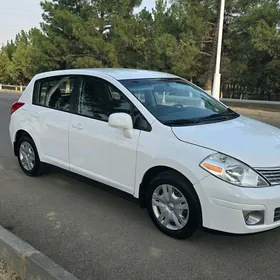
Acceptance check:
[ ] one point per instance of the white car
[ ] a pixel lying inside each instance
(193, 163)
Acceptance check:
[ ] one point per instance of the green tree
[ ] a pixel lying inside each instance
(5, 64)
(177, 36)
(80, 30)
(28, 59)
(252, 44)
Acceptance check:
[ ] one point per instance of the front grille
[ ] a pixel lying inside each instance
(277, 214)
(271, 175)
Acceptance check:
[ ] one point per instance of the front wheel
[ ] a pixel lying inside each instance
(173, 205)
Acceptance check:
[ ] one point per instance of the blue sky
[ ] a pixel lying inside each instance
(24, 14)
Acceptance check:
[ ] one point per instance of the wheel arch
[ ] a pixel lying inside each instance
(20, 133)
(154, 171)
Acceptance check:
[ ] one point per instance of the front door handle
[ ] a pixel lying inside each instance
(78, 126)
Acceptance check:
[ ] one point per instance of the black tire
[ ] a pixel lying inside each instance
(184, 186)
(37, 169)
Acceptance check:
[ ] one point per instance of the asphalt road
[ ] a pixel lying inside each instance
(100, 234)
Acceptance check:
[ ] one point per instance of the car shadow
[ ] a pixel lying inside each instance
(90, 184)
(202, 236)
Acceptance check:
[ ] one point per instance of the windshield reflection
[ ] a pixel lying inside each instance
(175, 101)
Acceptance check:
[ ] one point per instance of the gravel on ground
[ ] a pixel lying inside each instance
(6, 273)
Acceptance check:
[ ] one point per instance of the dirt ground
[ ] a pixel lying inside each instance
(6, 273)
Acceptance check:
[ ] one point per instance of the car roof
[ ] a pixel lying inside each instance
(116, 73)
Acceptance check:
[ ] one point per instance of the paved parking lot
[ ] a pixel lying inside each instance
(97, 233)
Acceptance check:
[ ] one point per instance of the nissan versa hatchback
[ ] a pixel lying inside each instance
(189, 159)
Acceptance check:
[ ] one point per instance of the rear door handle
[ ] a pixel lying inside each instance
(78, 126)
(35, 114)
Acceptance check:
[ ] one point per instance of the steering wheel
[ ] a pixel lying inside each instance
(178, 105)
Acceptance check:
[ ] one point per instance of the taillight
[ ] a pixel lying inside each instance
(16, 106)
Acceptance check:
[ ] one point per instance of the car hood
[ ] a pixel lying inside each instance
(248, 140)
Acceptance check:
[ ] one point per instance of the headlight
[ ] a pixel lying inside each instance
(233, 171)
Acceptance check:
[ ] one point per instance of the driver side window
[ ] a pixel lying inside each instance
(99, 99)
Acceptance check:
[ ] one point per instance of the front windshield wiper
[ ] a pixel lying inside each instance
(224, 115)
(180, 122)
(219, 116)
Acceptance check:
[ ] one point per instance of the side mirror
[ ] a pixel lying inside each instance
(122, 121)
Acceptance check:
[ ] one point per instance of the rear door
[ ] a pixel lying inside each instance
(50, 116)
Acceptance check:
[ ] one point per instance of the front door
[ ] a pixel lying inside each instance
(97, 150)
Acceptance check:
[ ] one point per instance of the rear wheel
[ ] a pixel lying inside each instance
(28, 157)
(173, 205)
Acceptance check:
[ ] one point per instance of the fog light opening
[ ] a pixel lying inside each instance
(254, 218)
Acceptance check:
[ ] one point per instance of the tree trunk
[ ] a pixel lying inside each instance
(211, 66)
(233, 90)
(269, 95)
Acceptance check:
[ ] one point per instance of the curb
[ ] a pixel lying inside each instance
(271, 114)
(27, 262)
(253, 104)
(10, 91)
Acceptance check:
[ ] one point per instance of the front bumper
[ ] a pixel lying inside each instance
(223, 205)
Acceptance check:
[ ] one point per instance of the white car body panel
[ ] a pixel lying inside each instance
(102, 153)
(52, 126)
(108, 73)
(242, 138)
(162, 148)
(223, 205)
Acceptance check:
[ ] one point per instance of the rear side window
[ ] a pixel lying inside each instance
(55, 92)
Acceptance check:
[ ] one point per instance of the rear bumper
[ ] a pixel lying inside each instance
(13, 128)
(11, 132)
(223, 205)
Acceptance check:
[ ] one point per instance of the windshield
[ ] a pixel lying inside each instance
(177, 102)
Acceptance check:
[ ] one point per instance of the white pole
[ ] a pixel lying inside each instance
(217, 76)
